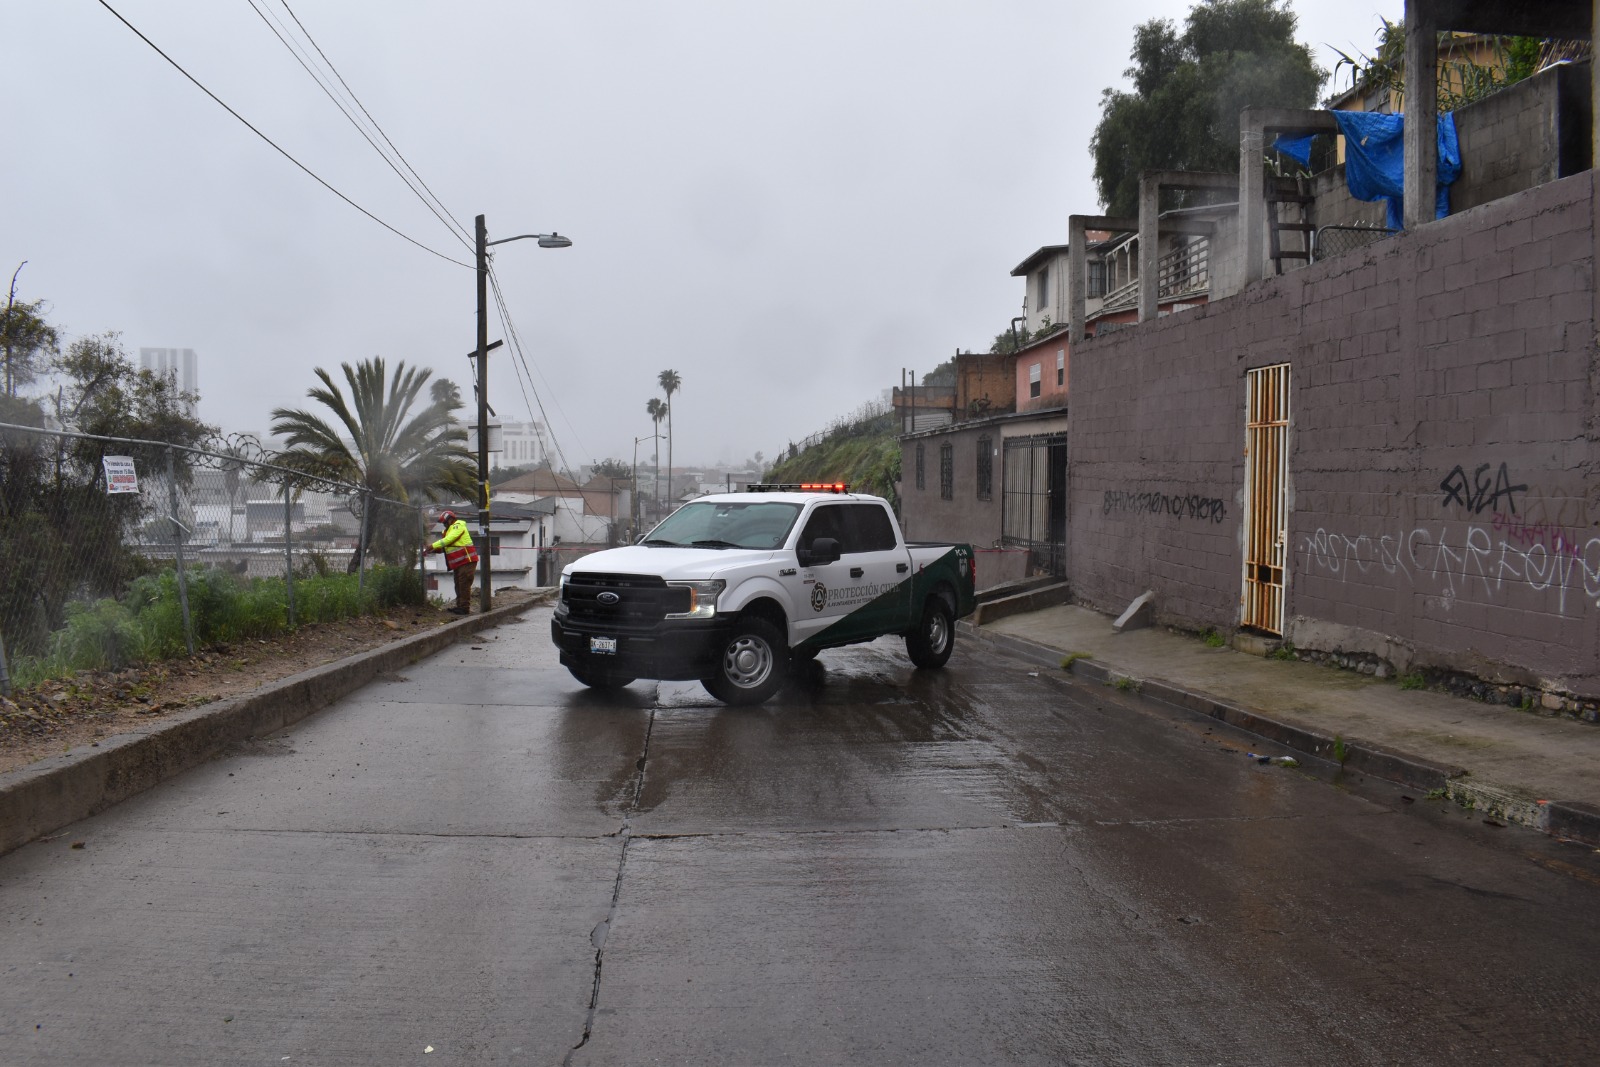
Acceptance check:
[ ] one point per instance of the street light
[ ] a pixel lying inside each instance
(633, 501)
(546, 240)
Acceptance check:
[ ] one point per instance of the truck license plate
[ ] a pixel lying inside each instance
(604, 645)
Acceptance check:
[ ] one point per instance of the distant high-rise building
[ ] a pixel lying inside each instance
(523, 444)
(181, 363)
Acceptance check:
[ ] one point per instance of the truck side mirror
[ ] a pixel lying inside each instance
(822, 551)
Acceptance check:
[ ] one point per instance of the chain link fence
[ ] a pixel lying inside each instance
(118, 550)
(1331, 241)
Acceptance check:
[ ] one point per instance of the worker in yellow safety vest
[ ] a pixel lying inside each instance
(460, 557)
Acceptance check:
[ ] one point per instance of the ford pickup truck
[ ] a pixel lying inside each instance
(733, 589)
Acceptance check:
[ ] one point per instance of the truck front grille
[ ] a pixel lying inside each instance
(625, 603)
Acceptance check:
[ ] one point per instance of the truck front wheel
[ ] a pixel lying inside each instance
(751, 665)
(931, 643)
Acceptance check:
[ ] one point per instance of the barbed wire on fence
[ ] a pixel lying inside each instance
(95, 530)
(863, 420)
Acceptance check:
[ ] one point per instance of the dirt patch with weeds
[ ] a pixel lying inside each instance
(54, 716)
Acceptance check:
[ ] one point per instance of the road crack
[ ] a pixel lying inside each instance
(602, 929)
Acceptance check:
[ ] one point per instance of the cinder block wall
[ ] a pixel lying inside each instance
(1534, 132)
(924, 514)
(1445, 505)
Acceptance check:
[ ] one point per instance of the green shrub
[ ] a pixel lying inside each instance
(147, 623)
(99, 634)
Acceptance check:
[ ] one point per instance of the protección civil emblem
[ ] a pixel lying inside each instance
(819, 596)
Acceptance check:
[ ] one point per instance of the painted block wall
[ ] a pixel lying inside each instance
(1445, 500)
(924, 514)
(1045, 355)
(1534, 132)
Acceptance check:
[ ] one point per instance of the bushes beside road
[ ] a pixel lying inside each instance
(146, 623)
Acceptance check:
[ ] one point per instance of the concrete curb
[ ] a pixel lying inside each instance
(1580, 822)
(1018, 603)
(58, 791)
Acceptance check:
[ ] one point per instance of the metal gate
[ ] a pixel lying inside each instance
(1266, 479)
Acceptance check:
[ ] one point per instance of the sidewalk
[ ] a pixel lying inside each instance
(59, 790)
(1516, 766)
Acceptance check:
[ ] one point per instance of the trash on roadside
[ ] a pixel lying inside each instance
(1281, 761)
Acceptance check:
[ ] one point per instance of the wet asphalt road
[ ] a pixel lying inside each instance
(978, 865)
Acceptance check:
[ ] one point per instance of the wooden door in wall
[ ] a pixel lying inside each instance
(1266, 482)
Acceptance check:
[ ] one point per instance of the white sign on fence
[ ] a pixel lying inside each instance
(120, 475)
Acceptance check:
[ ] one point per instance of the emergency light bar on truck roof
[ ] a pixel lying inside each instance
(798, 487)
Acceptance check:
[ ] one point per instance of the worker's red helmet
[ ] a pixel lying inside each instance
(447, 517)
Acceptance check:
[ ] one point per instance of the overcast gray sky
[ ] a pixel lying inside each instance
(785, 202)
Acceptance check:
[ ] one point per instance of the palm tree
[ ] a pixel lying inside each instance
(658, 411)
(378, 442)
(670, 383)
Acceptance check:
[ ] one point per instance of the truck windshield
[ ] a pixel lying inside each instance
(726, 524)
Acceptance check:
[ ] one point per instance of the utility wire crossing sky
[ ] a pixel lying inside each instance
(786, 203)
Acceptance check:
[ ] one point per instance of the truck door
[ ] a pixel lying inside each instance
(818, 602)
(870, 594)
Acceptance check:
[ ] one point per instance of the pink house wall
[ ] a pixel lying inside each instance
(1052, 392)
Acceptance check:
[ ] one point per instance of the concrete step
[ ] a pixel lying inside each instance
(1017, 603)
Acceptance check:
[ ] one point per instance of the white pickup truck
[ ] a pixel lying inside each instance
(733, 588)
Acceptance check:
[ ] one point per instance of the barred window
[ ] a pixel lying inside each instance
(1097, 278)
(985, 468)
(922, 466)
(947, 471)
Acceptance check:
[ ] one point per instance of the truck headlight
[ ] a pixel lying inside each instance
(702, 598)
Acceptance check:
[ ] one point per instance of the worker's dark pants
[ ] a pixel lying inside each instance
(464, 575)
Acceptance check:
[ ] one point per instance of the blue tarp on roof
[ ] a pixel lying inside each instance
(1374, 158)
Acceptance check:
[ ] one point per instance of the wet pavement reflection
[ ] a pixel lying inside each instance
(985, 864)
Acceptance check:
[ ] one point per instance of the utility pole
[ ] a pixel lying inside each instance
(546, 240)
(484, 555)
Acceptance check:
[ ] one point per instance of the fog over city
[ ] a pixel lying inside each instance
(786, 203)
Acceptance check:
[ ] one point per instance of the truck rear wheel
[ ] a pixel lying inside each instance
(599, 677)
(751, 665)
(931, 643)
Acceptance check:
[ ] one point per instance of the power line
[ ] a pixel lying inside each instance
(467, 234)
(517, 350)
(319, 180)
(296, 52)
(520, 366)
(521, 355)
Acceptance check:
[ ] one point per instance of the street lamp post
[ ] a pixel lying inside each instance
(546, 240)
(633, 500)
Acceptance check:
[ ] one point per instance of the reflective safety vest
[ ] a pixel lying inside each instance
(457, 546)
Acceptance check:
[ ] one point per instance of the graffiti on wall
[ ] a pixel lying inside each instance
(1194, 506)
(1480, 492)
(1556, 522)
(1457, 561)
